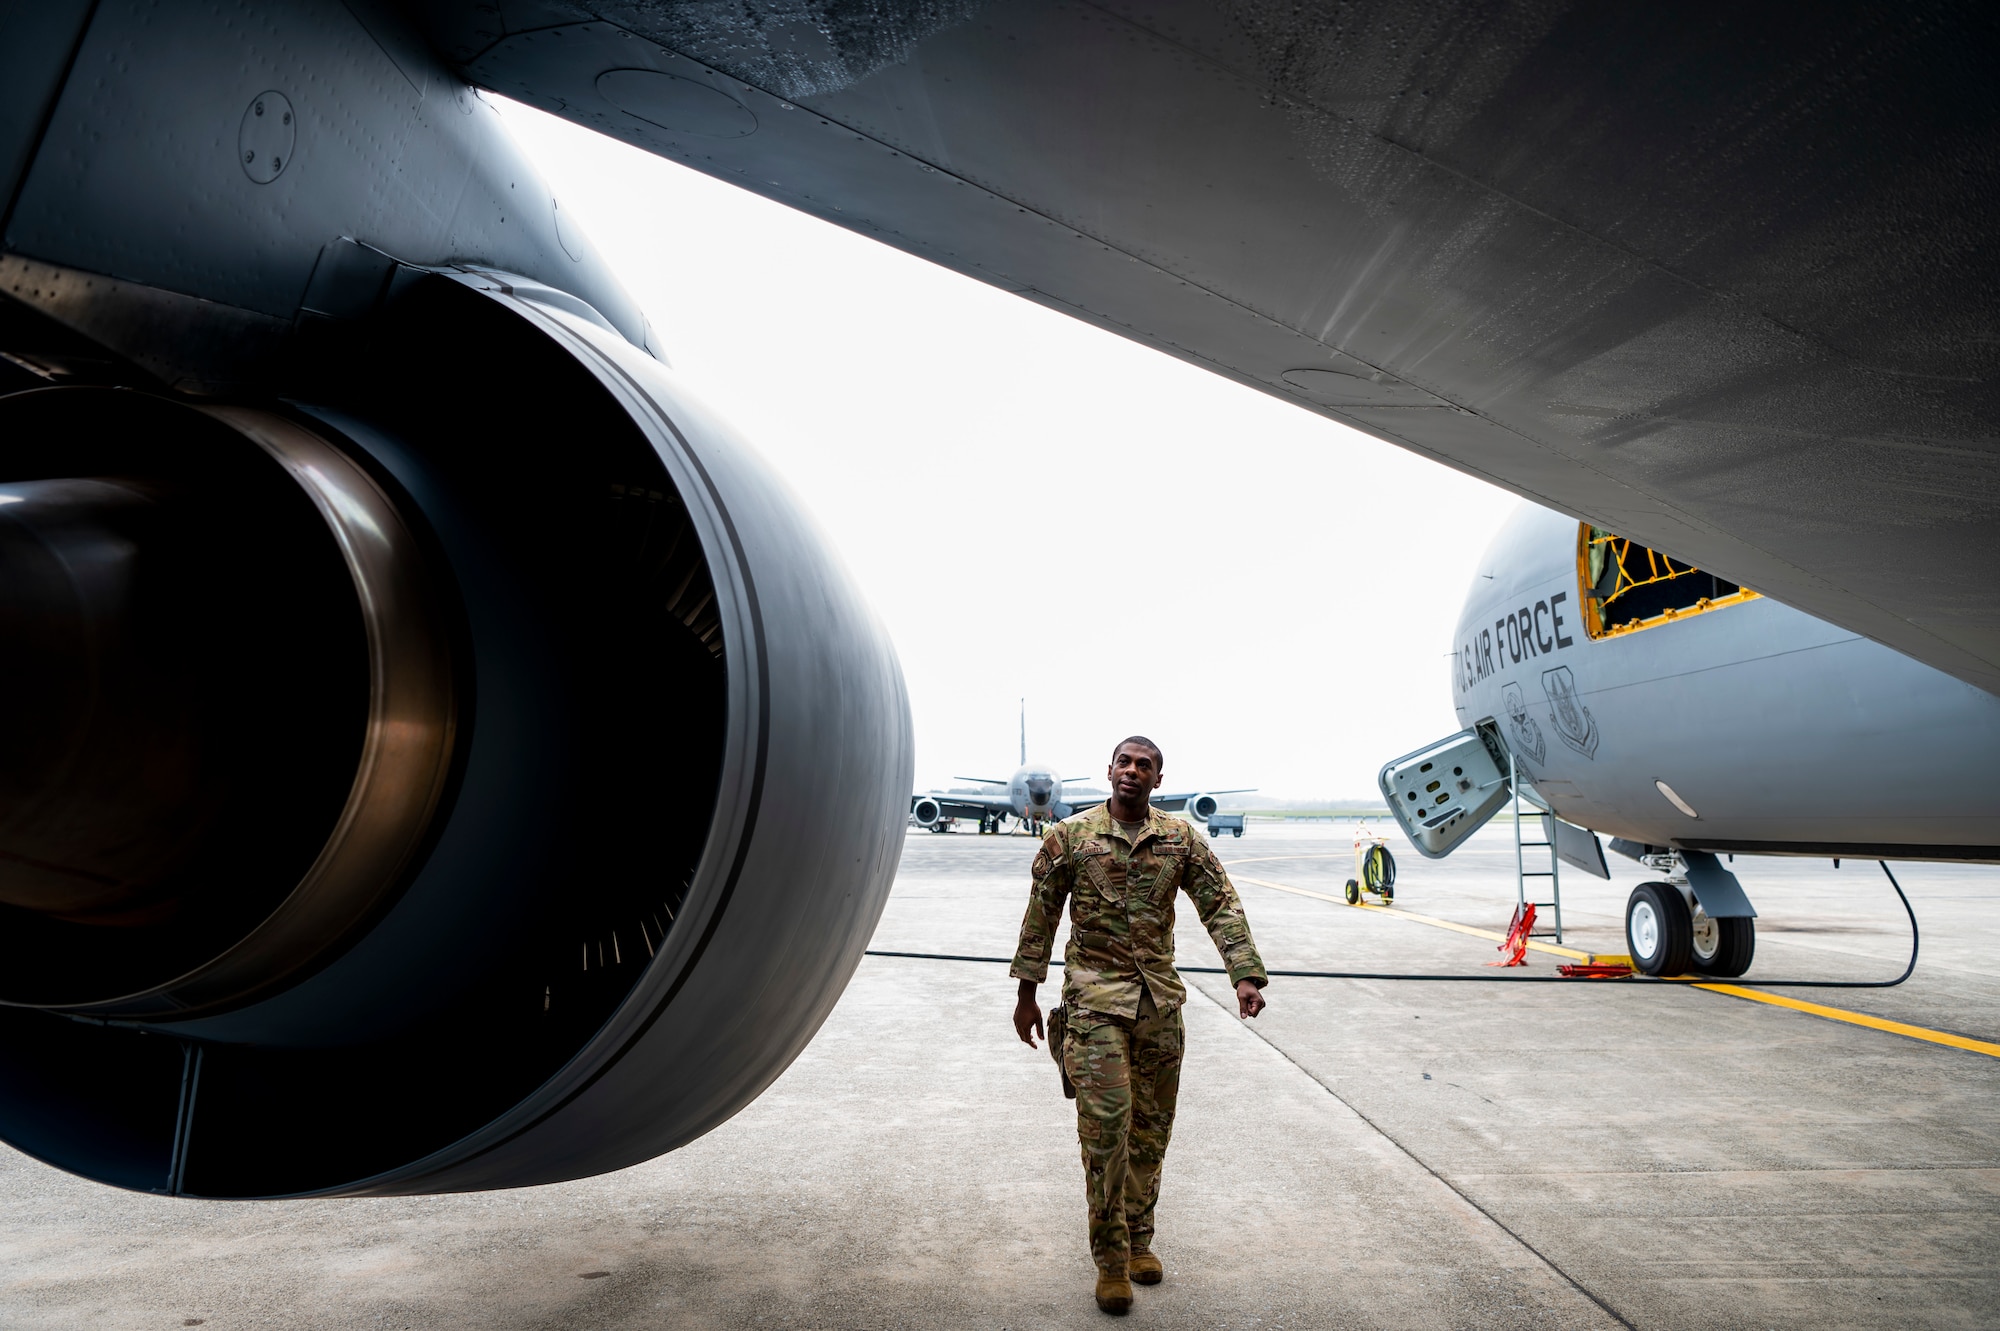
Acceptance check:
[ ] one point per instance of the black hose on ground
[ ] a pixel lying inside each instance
(1524, 979)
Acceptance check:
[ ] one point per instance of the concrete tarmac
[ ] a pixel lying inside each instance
(1366, 1154)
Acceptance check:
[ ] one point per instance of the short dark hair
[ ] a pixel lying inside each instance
(1159, 759)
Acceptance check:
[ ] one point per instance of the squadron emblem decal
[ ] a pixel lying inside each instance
(1528, 742)
(1573, 722)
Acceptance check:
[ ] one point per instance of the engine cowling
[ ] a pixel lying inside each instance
(927, 812)
(1201, 806)
(486, 776)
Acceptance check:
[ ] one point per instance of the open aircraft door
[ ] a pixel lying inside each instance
(1446, 791)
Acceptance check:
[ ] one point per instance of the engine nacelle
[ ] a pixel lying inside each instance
(1200, 806)
(926, 812)
(480, 777)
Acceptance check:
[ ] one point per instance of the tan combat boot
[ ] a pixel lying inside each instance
(1114, 1290)
(1145, 1269)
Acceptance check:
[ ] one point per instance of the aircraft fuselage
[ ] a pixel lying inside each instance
(1781, 732)
(1035, 791)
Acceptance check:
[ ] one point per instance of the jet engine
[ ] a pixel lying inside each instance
(926, 811)
(1200, 806)
(467, 768)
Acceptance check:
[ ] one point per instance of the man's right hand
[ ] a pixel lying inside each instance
(1028, 1015)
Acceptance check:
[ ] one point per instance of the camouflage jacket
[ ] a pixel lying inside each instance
(1121, 912)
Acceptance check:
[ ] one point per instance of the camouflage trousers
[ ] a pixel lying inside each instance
(1127, 1072)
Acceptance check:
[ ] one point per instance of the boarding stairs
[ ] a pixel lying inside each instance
(1549, 911)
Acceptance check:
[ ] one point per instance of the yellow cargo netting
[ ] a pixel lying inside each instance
(1634, 566)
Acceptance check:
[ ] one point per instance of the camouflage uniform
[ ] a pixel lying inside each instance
(1123, 1045)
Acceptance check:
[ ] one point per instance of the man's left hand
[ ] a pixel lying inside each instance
(1249, 998)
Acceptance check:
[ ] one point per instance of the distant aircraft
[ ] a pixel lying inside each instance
(1687, 716)
(1034, 795)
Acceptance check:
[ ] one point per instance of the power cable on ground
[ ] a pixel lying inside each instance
(1522, 979)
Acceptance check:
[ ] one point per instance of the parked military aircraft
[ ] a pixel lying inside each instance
(380, 607)
(1688, 716)
(1035, 795)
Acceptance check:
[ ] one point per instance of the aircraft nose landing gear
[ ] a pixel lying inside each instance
(1667, 935)
(1722, 947)
(1658, 929)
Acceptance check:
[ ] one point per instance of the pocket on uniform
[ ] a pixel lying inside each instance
(1072, 1058)
(1102, 871)
(1092, 1056)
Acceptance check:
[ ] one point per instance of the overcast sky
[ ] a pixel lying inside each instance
(1041, 510)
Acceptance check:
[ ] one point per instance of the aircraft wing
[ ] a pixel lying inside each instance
(967, 806)
(1652, 273)
(1177, 802)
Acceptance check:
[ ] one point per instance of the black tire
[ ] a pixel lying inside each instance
(1657, 920)
(1238, 831)
(1352, 892)
(1734, 944)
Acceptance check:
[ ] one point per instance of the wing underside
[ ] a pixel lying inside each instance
(1578, 252)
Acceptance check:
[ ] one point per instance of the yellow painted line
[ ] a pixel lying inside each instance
(1431, 920)
(1923, 1033)
(1857, 1018)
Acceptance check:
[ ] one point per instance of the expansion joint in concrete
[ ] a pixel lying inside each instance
(1425, 1165)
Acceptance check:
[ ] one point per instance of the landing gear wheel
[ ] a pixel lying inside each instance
(1658, 930)
(1352, 892)
(1722, 947)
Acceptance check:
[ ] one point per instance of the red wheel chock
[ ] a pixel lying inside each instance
(1516, 945)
